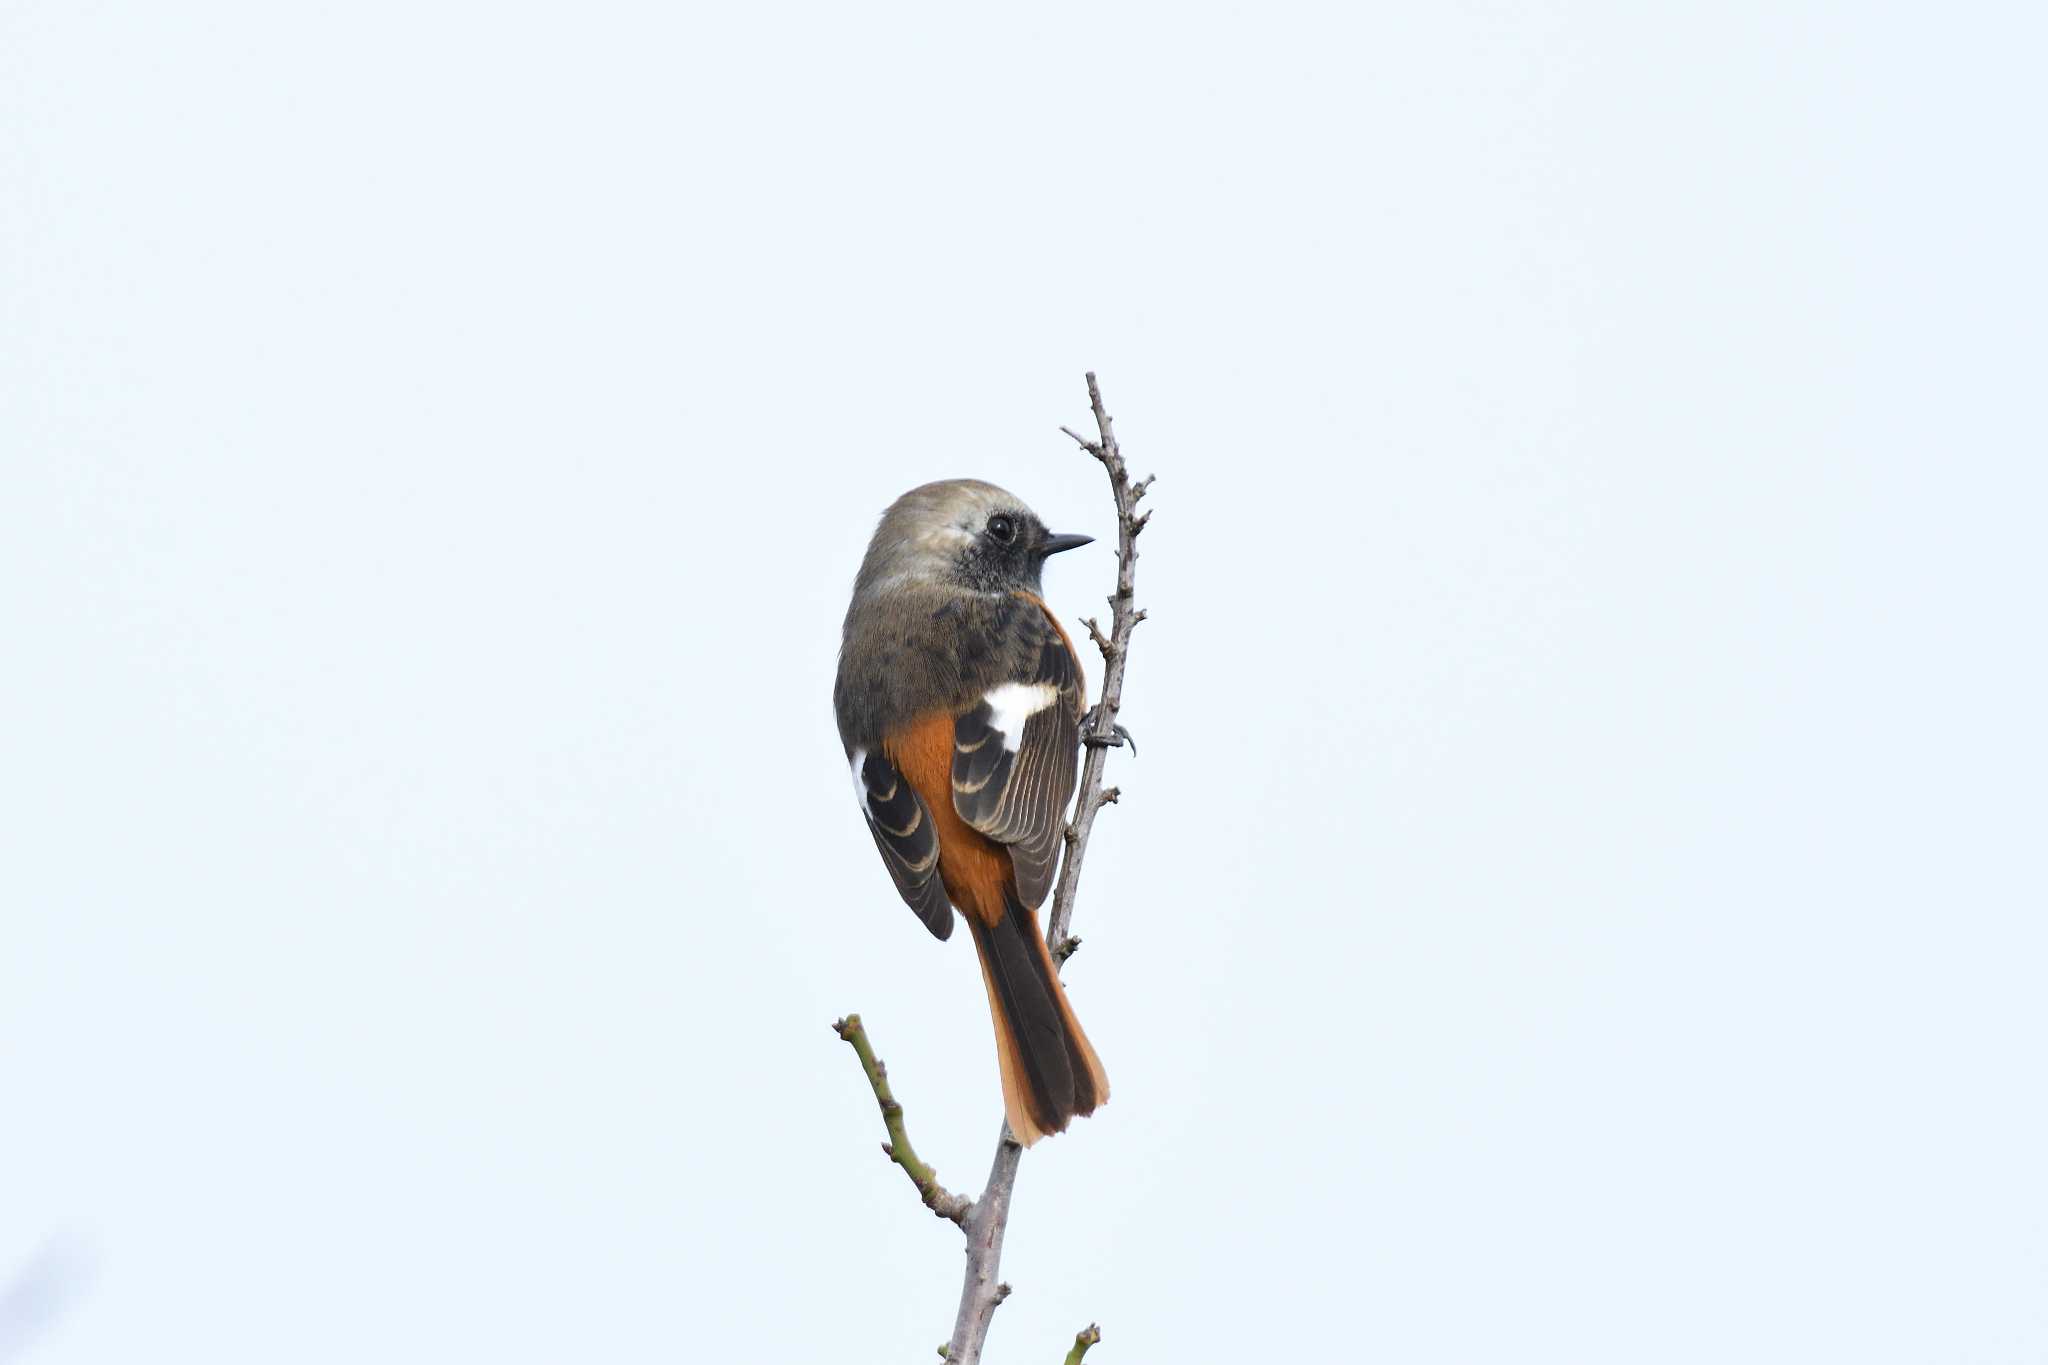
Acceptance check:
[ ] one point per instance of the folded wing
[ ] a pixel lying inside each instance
(902, 826)
(1016, 756)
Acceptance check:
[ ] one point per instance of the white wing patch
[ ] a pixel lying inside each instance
(1014, 703)
(860, 784)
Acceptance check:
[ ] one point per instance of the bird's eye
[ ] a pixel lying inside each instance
(1002, 528)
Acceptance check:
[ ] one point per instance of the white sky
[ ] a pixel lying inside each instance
(1580, 898)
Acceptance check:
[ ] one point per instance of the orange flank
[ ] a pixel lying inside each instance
(973, 866)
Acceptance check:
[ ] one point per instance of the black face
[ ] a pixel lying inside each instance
(1000, 557)
(1009, 552)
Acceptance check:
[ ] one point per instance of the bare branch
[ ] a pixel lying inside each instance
(1095, 634)
(985, 1225)
(1116, 656)
(898, 1149)
(1083, 1339)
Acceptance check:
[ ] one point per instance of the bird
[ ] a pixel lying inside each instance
(959, 702)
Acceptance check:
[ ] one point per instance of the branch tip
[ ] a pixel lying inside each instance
(1116, 653)
(924, 1178)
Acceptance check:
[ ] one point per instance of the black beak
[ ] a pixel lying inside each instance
(1052, 544)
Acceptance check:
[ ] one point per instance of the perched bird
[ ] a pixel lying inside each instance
(959, 700)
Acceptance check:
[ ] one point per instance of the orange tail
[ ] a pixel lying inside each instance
(1050, 1073)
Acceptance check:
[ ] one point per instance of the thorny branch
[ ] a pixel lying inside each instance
(985, 1219)
(1125, 614)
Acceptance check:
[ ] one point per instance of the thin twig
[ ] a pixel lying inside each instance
(936, 1197)
(985, 1225)
(1083, 1339)
(1095, 634)
(1116, 656)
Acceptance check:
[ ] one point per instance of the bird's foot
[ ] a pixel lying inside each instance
(1117, 737)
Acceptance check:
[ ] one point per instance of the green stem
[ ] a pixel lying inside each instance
(898, 1149)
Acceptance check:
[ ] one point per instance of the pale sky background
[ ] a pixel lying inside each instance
(1581, 895)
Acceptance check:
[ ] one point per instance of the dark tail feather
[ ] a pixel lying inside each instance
(1050, 1072)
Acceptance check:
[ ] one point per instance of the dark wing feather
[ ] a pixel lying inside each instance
(902, 826)
(1015, 787)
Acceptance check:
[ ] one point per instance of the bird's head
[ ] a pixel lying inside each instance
(960, 533)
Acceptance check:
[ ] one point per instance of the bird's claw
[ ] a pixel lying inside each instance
(1117, 737)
